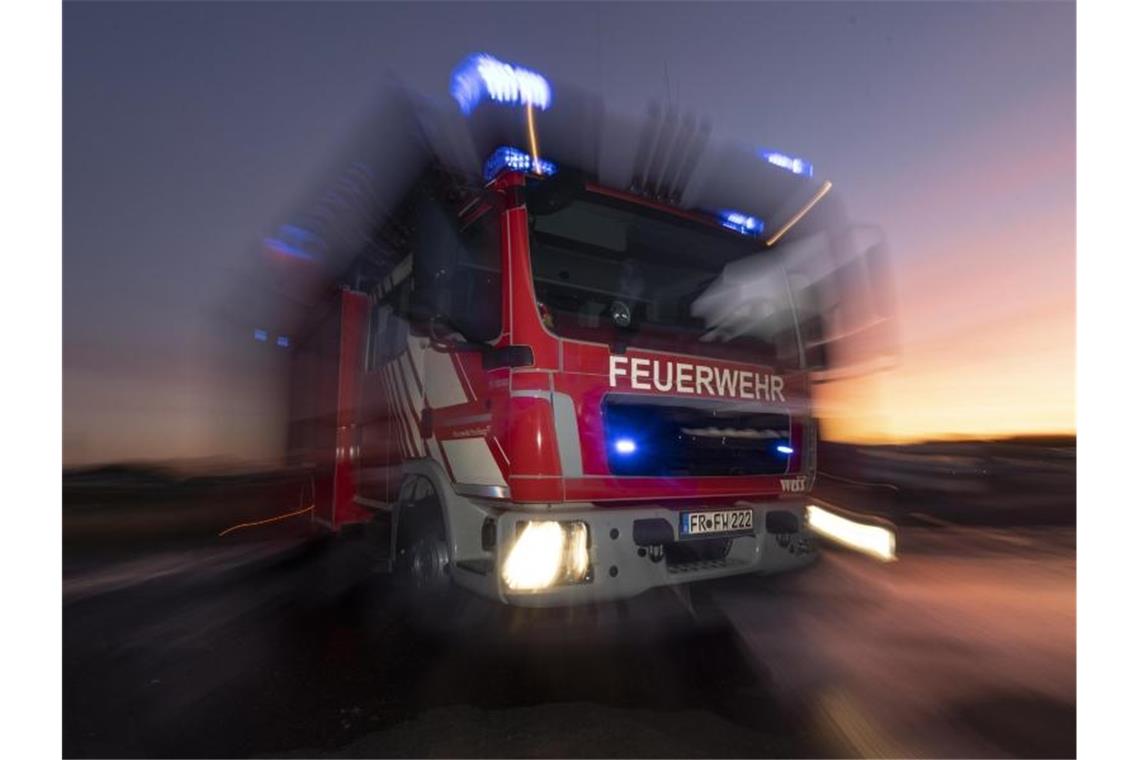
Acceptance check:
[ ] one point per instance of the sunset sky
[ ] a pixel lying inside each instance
(190, 128)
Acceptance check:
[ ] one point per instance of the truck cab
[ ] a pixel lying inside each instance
(563, 392)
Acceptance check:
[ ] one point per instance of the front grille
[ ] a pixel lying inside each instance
(673, 438)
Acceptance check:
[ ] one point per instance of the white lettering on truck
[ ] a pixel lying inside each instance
(654, 374)
(615, 370)
(793, 485)
(639, 368)
(684, 378)
(704, 379)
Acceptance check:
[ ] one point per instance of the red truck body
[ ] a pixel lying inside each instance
(538, 419)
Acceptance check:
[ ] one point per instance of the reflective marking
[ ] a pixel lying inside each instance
(566, 432)
(531, 394)
(414, 391)
(398, 413)
(502, 451)
(416, 357)
(398, 408)
(489, 492)
(472, 462)
(409, 414)
(390, 408)
(440, 380)
(461, 372)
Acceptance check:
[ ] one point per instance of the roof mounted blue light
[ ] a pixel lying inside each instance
(742, 223)
(783, 448)
(794, 164)
(507, 159)
(484, 76)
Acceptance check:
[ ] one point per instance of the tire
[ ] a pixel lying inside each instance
(421, 563)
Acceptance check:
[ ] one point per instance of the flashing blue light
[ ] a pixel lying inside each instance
(794, 164)
(295, 241)
(484, 76)
(512, 159)
(742, 223)
(784, 449)
(260, 335)
(625, 446)
(283, 341)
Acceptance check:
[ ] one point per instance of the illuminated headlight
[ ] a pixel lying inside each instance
(548, 553)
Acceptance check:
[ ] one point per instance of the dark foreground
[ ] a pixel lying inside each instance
(964, 647)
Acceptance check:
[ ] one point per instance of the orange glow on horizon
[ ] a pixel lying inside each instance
(1012, 378)
(982, 243)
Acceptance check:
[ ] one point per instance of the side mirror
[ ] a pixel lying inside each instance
(555, 193)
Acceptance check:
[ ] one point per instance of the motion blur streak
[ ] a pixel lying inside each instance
(533, 138)
(266, 521)
(800, 215)
(869, 539)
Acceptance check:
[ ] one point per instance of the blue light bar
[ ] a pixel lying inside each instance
(483, 76)
(512, 159)
(793, 164)
(783, 449)
(260, 335)
(742, 223)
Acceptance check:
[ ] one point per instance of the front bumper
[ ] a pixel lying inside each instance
(624, 565)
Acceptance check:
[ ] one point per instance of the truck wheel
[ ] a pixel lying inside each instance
(422, 564)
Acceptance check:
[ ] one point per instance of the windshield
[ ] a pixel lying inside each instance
(625, 274)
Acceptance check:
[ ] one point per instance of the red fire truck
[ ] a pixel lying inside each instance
(556, 391)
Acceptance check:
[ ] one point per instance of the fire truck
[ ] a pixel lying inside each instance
(551, 390)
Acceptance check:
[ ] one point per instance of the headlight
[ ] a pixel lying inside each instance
(548, 553)
(874, 540)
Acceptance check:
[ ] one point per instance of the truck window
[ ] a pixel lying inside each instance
(480, 281)
(458, 272)
(620, 273)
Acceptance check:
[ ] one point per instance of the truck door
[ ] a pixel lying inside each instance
(456, 315)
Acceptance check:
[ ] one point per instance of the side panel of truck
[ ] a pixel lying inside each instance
(325, 393)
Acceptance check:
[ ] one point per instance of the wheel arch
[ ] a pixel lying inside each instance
(462, 516)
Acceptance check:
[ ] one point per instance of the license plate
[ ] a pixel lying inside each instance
(723, 521)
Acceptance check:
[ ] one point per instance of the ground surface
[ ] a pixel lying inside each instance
(964, 647)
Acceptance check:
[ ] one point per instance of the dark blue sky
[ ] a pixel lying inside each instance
(190, 128)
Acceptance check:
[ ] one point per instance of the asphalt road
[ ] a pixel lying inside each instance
(963, 647)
